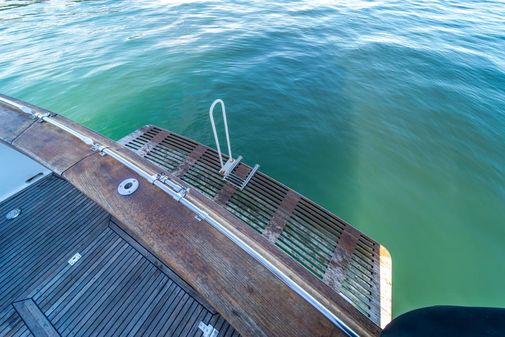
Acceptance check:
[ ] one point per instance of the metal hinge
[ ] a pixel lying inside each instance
(208, 330)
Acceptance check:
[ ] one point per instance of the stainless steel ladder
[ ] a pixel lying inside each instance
(227, 169)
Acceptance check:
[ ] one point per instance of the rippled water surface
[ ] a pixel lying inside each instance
(389, 113)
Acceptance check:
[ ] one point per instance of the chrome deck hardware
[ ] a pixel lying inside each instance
(13, 214)
(73, 260)
(128, 186)
(208, 330)
(228, 168)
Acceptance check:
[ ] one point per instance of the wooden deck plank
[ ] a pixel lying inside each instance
(113, 290)
(38, 324)
(10, 322)
(167, 271)
(56, 287)
(35, 257)
(12, 124)
(47, 150)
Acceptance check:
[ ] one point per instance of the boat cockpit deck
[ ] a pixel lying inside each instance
(67, 268)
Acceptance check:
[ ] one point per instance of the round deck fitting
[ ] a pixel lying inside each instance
(14, 213)
(128, 186)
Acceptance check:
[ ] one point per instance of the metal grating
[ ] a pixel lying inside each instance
(204, 174)
(138, 142)
(310, 237)
(170, 152)
(116, 288)
(11, 324)
(359, 284)
(329, 248)
(257, 203)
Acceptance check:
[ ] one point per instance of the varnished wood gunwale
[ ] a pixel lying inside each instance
(241, 290)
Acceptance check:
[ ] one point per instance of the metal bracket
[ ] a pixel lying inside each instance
(73, 260)
(38, 116)
(239, 182)
(249, 176)
(181, 191)
(98, 148)
(229, 166)
(208, 330)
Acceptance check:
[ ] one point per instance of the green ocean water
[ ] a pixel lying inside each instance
(389, 113)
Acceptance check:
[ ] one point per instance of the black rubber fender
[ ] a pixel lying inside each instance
(448, 321)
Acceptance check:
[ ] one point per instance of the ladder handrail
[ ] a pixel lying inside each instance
(211, 115)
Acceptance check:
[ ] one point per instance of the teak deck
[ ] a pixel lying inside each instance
(117, 288)
(244, 292)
